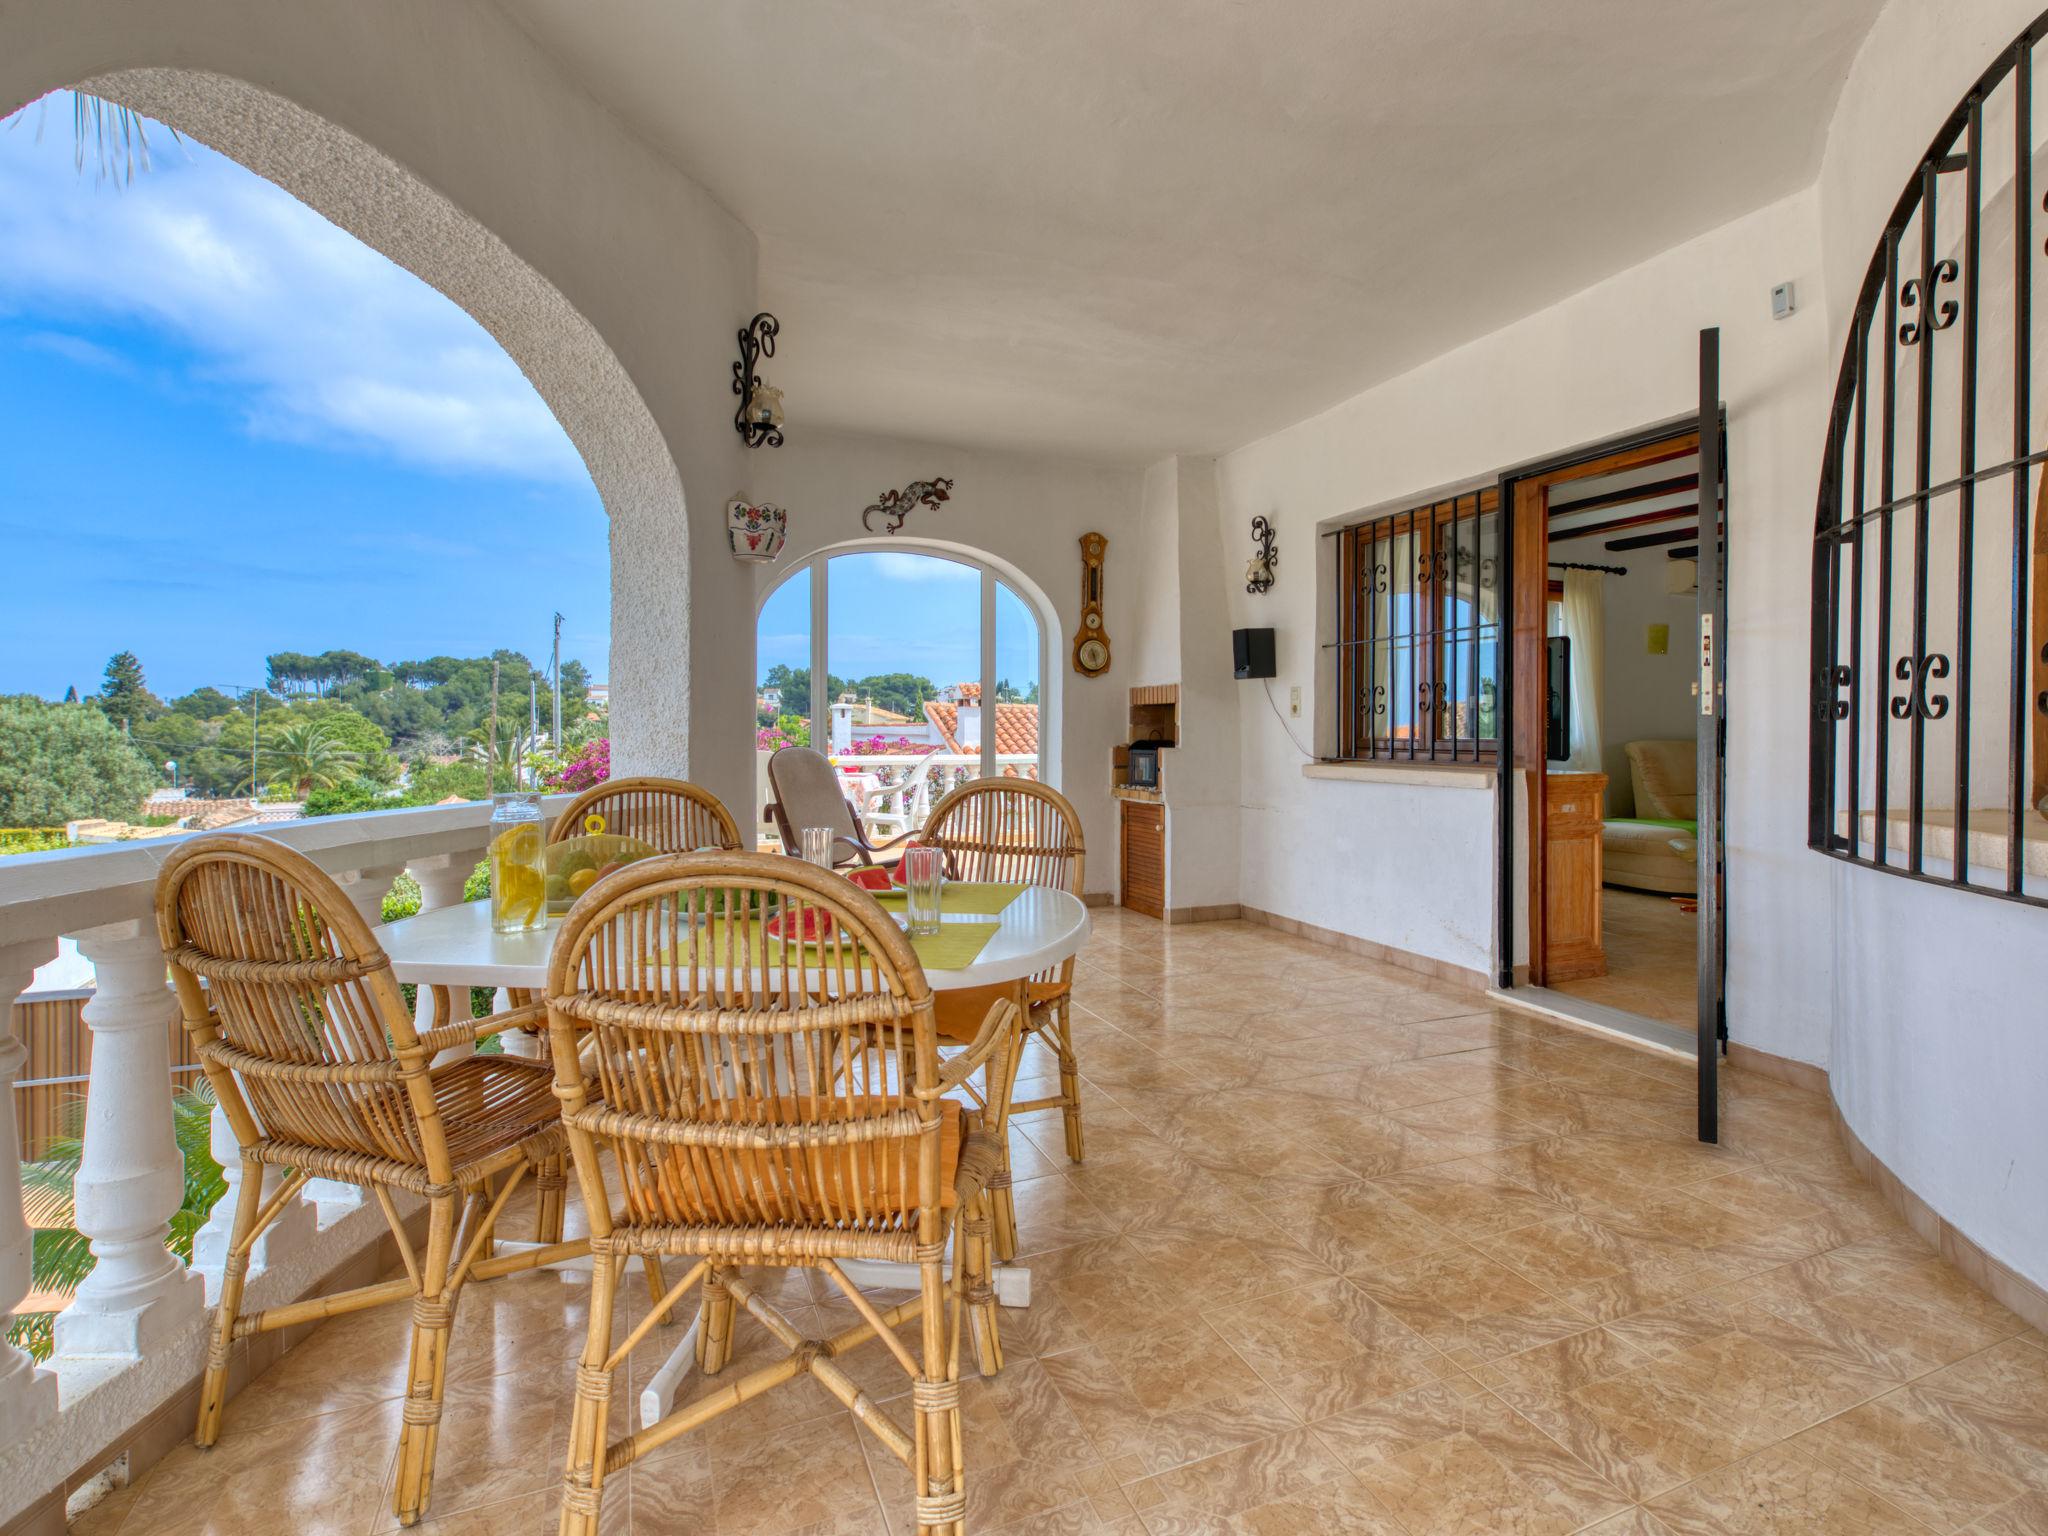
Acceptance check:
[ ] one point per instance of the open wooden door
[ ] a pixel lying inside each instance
(1711, 727)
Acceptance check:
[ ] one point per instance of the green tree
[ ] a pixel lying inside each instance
(309, 755)
(64, 762)
(204, 704)
(431, 783)
(901, 693)
(124, 696)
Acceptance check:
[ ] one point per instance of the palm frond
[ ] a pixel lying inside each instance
(117, 136)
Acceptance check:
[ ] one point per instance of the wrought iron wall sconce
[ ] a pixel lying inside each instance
(1258, 575)
(759, 417)
(894, 506)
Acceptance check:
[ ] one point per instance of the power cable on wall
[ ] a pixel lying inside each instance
(1273, 704)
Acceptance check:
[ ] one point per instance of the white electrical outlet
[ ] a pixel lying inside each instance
(1294, 702)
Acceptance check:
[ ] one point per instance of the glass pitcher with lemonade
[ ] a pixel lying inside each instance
(518, 864)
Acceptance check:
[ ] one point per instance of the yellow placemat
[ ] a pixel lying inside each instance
(954, 947)
(973, 898)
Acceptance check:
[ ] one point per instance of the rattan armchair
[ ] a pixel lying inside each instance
(1027, 833)
(320, 1070)
(670, 815)
(772, 1106)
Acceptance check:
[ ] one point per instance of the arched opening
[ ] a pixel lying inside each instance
(571, 367)
(915, 666)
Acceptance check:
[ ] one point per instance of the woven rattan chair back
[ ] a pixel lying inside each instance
(302, 1030)
(670, 815)
(1016, 831)
(748, 1089)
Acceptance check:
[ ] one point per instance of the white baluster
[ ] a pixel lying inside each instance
(296, 1223)
(442, 877)
(28, 1396)
(131, 1179)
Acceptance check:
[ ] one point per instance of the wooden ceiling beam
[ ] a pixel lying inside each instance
(1624, 496)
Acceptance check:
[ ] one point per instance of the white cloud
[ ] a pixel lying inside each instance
(330, 342)
(76, 349)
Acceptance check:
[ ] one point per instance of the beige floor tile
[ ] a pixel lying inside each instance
(1247, 1478)
(1443, 1462)
(1141, 1442)
(1779, 1492)
(1469, 1306)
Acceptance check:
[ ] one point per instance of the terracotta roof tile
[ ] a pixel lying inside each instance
(1016, 727)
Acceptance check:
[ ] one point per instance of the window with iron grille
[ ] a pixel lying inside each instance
(1418, 633)
(1930, 577)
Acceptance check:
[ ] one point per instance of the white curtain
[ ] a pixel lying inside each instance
(1584, 607)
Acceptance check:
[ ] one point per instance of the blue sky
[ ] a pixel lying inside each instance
(229, 428)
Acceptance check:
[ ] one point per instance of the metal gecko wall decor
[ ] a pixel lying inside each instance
(895, 506)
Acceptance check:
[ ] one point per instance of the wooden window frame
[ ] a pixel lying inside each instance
(1427, 730)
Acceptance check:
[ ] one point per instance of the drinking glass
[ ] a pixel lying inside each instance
(922, 879)
(519, 865)
(817, 846)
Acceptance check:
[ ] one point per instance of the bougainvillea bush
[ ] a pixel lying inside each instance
(592, 765)
(881, 746)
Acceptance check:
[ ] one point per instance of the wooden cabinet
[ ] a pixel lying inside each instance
(1143, 861)
(1572, 823)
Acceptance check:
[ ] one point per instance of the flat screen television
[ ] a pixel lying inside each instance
(1557, 725)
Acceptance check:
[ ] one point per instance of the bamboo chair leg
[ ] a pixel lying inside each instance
(971, 1262)
(213, 1391)
(1070, 1077)
(714, 1338)
(1002, 1204)
(550, 1191)
(432, 1317)
(657, 1287)
(939, 1474)
(583, 1476)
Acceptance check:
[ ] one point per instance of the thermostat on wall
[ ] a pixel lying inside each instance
(1783, 301)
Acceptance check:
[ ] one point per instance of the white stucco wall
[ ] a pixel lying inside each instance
(463, 101)
(1938, 1052)
(1017, 511)
(1619, 356)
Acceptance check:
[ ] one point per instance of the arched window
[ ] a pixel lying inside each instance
(913, 669)
(1930, 574)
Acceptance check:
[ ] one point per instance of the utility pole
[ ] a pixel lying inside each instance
(491, 746)
(532, 714)
(555, 741)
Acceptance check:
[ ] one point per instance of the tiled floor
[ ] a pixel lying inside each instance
(1347, 1256)
(1652, 958)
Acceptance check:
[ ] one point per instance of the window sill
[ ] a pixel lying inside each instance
(1430, 775)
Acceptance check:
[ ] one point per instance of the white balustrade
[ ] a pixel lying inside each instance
(908, 784)
(28, 1395)
(131, 1179)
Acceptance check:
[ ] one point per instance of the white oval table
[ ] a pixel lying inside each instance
(456, 947)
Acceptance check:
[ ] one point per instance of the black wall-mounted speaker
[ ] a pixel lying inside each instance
(1252, 650)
